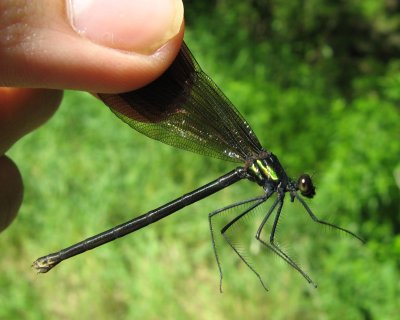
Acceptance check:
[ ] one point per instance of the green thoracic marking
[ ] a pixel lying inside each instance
(262, 170)
(256, 171)
(267, 170)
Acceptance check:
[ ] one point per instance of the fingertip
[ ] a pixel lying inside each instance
(138, 40)
(130, 45)
(131, 25)
(121, 55)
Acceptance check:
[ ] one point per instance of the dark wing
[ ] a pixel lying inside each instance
(185, 109)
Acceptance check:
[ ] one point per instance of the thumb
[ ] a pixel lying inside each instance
(98, 46)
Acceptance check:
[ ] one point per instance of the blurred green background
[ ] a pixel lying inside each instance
(319, 83)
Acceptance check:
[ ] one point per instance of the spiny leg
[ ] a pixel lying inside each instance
(258, 200)
(245, 261)
(314, 217)
(272, 244)
(230, 224)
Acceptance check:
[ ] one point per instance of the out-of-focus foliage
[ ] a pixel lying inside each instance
(319, 81)
(326, 72)
(327, 75)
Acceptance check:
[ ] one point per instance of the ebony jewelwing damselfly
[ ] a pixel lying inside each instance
(185, 109)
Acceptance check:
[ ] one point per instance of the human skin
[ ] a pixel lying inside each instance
(89, 45)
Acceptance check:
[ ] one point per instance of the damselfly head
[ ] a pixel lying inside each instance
(306, 186)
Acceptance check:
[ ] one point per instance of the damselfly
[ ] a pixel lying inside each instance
(185, 109)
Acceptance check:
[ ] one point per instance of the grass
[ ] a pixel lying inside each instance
(85, 171)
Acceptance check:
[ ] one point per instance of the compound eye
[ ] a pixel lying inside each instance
(306, 186)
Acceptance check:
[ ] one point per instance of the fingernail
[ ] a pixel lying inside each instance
(141, 26)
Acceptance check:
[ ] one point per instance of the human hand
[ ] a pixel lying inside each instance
(96, 46)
